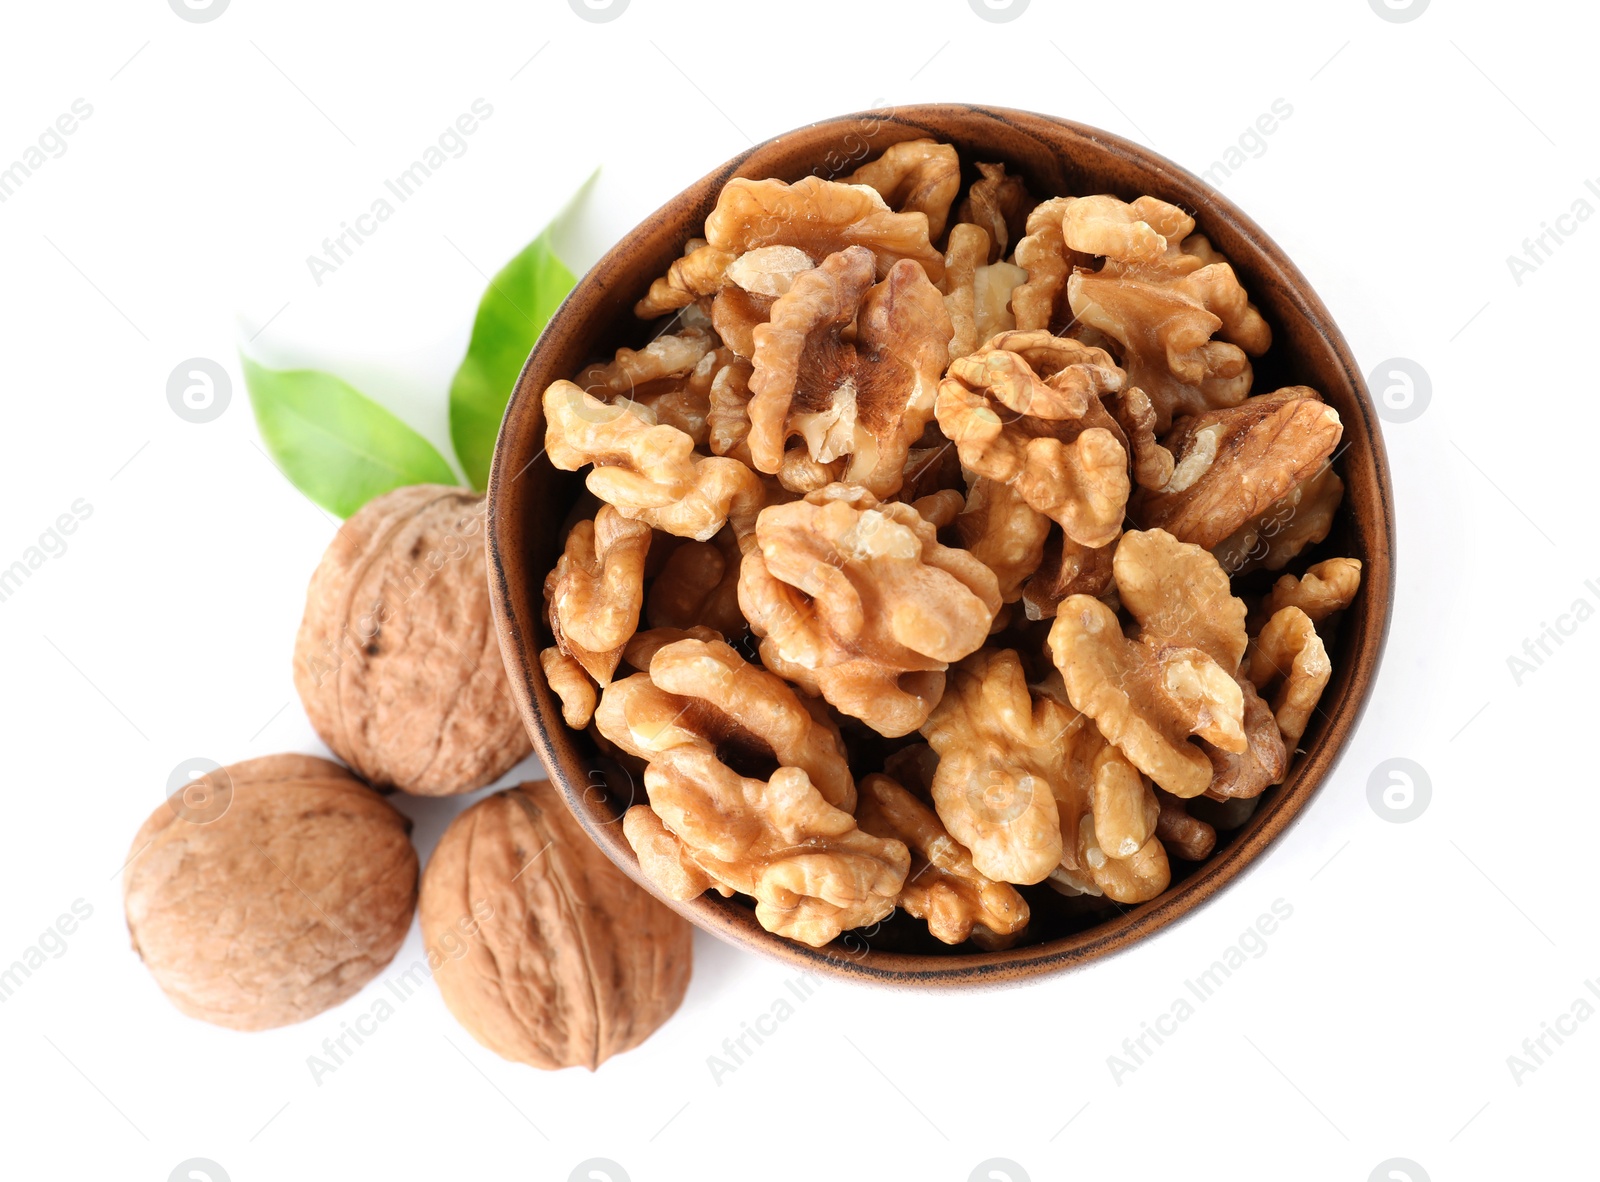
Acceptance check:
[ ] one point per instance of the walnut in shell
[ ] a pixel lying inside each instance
(282, 906)
(544, 950)
(396, 660)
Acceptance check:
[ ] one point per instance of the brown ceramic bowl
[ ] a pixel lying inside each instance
(529, 498)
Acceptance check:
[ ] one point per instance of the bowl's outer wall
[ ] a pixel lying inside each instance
(528, 498)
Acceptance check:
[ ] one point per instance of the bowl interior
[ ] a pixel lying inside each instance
(529, 500)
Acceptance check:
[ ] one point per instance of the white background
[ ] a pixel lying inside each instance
(1419, 956)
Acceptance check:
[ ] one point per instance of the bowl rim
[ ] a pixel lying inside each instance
(734, 923)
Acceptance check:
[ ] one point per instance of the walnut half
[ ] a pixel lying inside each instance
(1046, 433)
(812, 873)
(856, 599)
(1001, 751)
(943, 886)
(1176, 679)
(1233, 464)
(867, 399)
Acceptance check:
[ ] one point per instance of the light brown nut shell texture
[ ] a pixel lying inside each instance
(282, 906)
(545, 951)
(397, 661)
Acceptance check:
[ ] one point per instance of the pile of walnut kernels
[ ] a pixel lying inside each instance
(860, 490)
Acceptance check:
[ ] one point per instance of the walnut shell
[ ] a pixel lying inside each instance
(397, 661)
(282, 906)
(545, 951)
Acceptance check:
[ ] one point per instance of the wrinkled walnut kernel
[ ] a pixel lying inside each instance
(698, 273)
(968, 250)
(866, 399)
(699, 585)
(728, 413)
(860, 600)
(1015, 427)
(1183, 835)
(704, 694)
(648, 471)
(812, 872)
(1001, 530)
(1001, 753)
(1263, 762)
(1153, 463)
(1290, 655)
(915, 176)
(1067, 568)
(999, 203)
(1163, 300)
(569, 681)
(596, 590)
(1148, 695)
(668, 356)
(1301, 517)
(1325, 588)
(1233, 464)
(820, 217)
(942, 887)
(641, 650)
(1041, 303)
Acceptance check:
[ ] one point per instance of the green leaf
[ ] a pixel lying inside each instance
(513, 312)
(335, 444)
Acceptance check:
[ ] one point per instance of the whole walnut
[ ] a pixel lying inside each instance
(284, 894)
(397, 661)
(545, 951)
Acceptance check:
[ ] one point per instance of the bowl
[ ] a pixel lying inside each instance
(529, 499)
